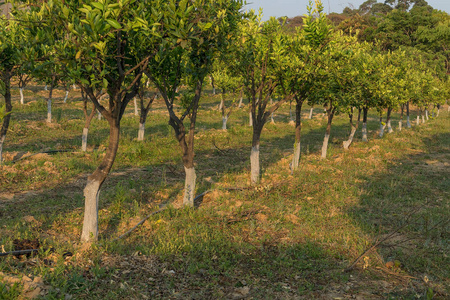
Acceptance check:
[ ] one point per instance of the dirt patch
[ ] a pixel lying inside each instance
(32, 288)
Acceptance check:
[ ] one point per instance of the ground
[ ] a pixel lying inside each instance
(383, 204)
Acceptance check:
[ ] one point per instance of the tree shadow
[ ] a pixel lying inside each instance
(410, 199)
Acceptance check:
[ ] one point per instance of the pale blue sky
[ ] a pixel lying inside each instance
(292, 8)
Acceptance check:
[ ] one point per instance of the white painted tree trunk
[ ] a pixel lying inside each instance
(2, 140)
(74, 87)
(325, 145)
(136, 113)
(214, 91)
(347, 143)
(437, 114)
(364, 132)
(423, 119)
(141, 131)
(254, 164)
(311, 113)
(189, 187)
(296, 157)
(408, 122)
(250, 119)
(45, 88)
(84, 139)
(65, 97)
(382, 127)
(426, 114)
(389, 127)
(49, 110)
(99, 115)
(224, 123)
(221, 104)
(21, 96)
(240, 102)
(399, 125)
(271, 115)
(418, 120)
(90, 224)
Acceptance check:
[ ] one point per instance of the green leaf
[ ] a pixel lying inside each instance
(114, 23)
(97, 5)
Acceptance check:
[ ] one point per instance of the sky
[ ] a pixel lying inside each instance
(292, 8)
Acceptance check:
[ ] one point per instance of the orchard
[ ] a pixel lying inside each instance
(188, 149)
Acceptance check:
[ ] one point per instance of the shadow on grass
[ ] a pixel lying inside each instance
(411, 197)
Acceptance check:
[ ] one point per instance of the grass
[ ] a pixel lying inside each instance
(291, 236)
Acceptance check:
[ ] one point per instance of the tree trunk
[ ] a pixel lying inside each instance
(426, 114)
(49, 104)
(212, 84)
(84, 139)
(353, 131)
(388, 120)
(224, 122)
(49, 110)
(136, 113)
(330, 113)
(408, 122)
(8, 108)
(221, 104)
(2, 140)
(22, 100)
(94, 183)
(67, 95)
(87, 123)
(250, 119)
(254, 164)
(99, 115)
(418, 120)
(142, 120)
(382, 126)
(271, 115)
(240, 99)
(364, 125)
(298, 130)
(311, 112)
(189, 186)
(401, 118)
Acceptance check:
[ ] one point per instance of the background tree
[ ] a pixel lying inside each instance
(257, 56)
(300, 69)
(203, 28)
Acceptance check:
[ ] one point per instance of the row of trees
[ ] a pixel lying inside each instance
(111, 48)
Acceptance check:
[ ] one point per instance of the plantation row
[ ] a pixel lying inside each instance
(113, 51)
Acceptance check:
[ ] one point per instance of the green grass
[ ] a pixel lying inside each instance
(290, 236)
